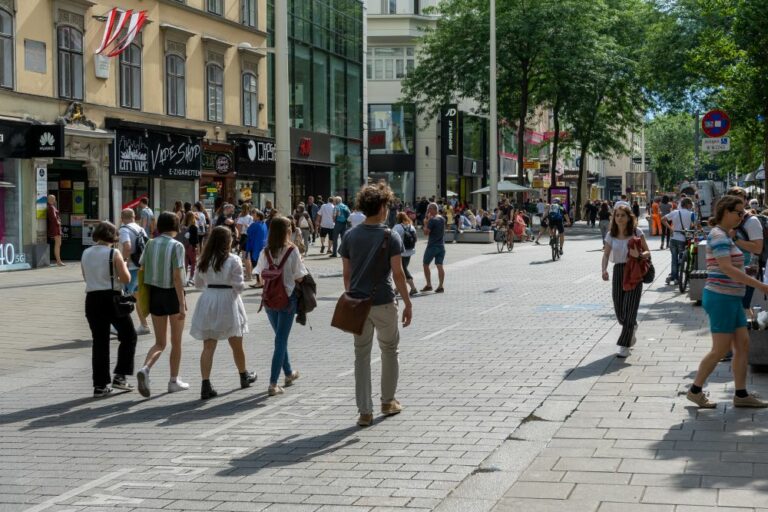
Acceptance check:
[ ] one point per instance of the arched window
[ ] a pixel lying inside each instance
(215, 82)
(175, 84)
(250, 100)
(70, 45)
(6, 49)
(130, 77)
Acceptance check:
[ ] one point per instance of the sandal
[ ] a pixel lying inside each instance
(426, 289)
(439, 289)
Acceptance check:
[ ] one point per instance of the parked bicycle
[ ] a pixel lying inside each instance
(686, 261)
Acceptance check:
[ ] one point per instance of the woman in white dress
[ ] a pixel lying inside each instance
(220, 312)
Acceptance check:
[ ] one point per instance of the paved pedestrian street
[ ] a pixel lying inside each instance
(513, 401)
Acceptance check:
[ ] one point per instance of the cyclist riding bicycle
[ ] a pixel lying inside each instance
(678, 221)
(557, 214)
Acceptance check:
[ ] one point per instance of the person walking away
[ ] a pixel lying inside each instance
(625, 303)
(371, 259)
(203, 222)
(678, 221)
(243, 221)
(543, 228)
(325, 223)
(593, 213)
(178, 209)
(132, 241)
(281, 268)
(163, 264)
(191, 242)
(557, 218)
(312, 208)
(656, 217)
(220, 313)
(604, 219)
(340, 217)
(147, 217)
(665, 208)
(356, 218)
(297, 239)
(304, 223)
(407, 233)
(257, 240)
(722, 298)
(54, 229)
(104, 270)
(226, 219)
(434, 229)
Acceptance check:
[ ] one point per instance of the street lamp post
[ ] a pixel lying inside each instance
(282, 116)
(494, 136)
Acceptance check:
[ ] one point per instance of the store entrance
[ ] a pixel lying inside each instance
(309, 180)
(68, 182)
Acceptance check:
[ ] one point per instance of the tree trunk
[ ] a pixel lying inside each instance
(581, 190)
(765, 157)
(555, 142)
(521, 129)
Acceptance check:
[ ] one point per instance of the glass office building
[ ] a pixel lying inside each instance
(326, 76)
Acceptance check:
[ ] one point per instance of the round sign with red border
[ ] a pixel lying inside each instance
(715, 123)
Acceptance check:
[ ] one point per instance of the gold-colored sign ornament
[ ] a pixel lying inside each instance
(118, 21)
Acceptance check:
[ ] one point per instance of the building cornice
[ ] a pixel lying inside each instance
(213, 17)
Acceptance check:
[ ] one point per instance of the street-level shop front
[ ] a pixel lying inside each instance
(255, 163)
(218, 174)
(162, 164)
(391, 148)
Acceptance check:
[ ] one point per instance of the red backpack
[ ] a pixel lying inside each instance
(273, 294)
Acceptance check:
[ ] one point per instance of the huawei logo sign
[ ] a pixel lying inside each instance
(47, 141)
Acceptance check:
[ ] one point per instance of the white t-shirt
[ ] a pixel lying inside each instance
(294, 268)
(540, 208)
(682, 219)
(621, 203)
(95, 265)
(326, 216)
(243, 222)
(129, 233)
(619, 248)
(356, 218)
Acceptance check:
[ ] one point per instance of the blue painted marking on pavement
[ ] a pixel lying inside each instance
(568, 307)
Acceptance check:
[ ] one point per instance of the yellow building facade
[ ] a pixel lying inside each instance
(167, 118)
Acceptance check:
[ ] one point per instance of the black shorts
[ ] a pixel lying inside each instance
(163, 301)
(557, 224)
(324, 232)
(243, 242)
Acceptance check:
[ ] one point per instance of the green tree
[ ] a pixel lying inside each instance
(669, 141)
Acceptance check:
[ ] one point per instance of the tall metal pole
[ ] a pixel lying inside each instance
(696, 147)
(282, 116)
(494, 151)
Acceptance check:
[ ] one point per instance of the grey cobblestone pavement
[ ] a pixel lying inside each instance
(511, 396)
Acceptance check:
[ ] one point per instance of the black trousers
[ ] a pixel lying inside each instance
(100, 315)
(338, 232)
(625, 304)
(406, 260)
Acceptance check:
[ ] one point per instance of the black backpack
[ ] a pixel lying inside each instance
(409, 237)
(139, 246)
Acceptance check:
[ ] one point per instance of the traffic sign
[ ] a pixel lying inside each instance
(715, 123)
(716, 144)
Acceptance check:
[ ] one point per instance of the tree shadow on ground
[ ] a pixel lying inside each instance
(292, 450)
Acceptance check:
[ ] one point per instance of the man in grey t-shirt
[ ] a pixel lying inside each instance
(434, 228)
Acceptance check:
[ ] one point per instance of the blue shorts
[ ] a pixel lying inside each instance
(726, 314)
(434, 252)
(131, 287)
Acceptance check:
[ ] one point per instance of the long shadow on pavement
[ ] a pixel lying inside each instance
(603, 366)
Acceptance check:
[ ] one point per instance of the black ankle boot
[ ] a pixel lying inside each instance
(246, 379)
(207, 391)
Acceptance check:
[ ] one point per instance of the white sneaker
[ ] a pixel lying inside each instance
(142, 330)
(112, 330)
(142, 380)
(178, 385)
(622, 352)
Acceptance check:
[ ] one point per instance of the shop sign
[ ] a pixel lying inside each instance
(449, 129)
(220, 162)
(305, 147)
(261, 151)
(24, 140)
(377, 139)
(157, 154)
(11, 259)
(41, 193)
(531, 165)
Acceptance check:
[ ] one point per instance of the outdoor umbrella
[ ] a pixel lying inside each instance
(504, 186)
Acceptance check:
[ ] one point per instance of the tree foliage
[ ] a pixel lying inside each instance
(669, 145)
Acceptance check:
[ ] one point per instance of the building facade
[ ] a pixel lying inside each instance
(325, 39)
(165, 118)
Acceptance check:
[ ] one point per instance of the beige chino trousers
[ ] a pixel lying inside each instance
(384, 320)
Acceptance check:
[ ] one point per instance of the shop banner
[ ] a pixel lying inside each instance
(218, 160)
(157, 154)
(41, 193)
(24, 140)
(449, 128)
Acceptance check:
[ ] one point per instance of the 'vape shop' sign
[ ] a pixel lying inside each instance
(157, 154)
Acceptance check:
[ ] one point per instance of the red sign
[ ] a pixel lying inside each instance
(305, 147)
(715, 123)
(377, 139)
(130, 21)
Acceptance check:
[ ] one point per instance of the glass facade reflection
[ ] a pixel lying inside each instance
(391, 128)
(326, 75)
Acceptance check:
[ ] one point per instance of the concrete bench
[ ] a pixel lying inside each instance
(474, 237)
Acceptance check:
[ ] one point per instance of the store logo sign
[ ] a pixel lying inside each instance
(449, 132)
(121, 29)
(305, 147)
(47, 140)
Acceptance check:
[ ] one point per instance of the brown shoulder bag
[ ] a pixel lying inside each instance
(351, 313)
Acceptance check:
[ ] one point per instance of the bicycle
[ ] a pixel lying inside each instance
(500, 236)
(686, 260)
(554, 243)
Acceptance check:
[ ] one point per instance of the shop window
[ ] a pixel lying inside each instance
(250, 100)
(385, 63)
(215, 96)
(6, 49)
(354, 101)
(70, 48)
(130, 77)
(175, 83)
(302, 88)
(338, 96)
(392, 129)
(216, 7)
(320, 91)
(248, 15)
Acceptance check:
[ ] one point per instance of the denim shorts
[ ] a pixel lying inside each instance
(434, 252)
(725, 312)
(133, 285)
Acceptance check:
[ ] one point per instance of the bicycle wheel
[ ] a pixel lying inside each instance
(686, 272)
(500, 245)
(511, 244)
(555, 249)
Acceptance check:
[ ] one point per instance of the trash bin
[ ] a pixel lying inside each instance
(758, 350)
(701, 256)
(696, 285)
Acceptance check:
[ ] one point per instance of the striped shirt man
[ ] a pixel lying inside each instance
(720, 245)
(161, 256)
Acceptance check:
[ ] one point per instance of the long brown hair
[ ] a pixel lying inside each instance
(279, 227)
(216, 250)
(631, 222)
(190, 219)
(726, 203)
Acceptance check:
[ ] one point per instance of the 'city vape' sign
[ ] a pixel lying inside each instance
(157, 154)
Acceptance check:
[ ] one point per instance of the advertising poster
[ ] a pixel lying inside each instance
(88, 226)
(564, 193)
(41, 193)
(78, 197)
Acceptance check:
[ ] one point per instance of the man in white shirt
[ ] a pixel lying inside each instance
(326, 223)
(357, 217)
(129, 233)
(678, 221)
(622, 202)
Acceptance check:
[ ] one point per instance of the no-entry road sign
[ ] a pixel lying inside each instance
(715, 123)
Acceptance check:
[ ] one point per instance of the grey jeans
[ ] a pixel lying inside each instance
(384, 320)
(676, 247)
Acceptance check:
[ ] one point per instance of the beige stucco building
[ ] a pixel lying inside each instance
(167, 118)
